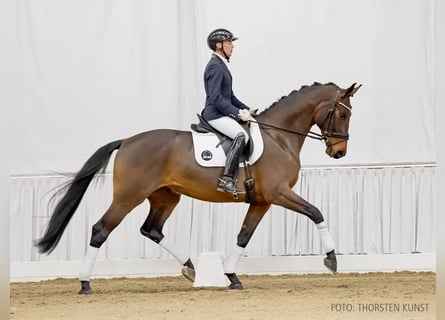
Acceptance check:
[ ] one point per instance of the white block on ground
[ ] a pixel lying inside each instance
(210, 271)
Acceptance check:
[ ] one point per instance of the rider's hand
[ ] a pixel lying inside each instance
(253, 112)
(244, 115)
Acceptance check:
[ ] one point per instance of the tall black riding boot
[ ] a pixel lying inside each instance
(227, 181)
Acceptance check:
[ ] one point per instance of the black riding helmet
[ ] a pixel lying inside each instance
(219, 35)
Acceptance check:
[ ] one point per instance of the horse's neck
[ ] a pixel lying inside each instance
(295, 115)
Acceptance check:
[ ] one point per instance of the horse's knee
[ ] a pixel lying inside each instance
(99, 234)
(245, 235)
(152, 234)
(243, 239)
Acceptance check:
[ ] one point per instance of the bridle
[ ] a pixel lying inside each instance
(328, 123)
(326, 127)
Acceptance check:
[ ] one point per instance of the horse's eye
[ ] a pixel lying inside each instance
(342, 115)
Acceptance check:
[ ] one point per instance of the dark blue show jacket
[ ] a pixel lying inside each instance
(220, 100)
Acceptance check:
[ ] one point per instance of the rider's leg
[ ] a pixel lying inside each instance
(229, 126)
(227, 181)
(233, 130)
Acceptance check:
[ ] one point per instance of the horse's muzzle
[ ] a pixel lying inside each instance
(336, 149)
(339, 154)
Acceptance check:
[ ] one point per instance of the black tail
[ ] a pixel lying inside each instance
(76, 189)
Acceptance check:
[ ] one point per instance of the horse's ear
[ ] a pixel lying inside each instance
(351, 90)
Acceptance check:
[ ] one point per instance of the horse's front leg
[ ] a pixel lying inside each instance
(253, 217)
(290, 200)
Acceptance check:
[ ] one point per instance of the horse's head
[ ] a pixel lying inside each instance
(332, 117)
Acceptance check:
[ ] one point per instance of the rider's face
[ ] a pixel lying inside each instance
(227, 47)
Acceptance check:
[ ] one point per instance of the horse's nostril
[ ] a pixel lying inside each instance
(339, 154)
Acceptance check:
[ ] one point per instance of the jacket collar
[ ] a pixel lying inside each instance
(221, 59)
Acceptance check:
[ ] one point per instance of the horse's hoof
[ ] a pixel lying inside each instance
(86, 289)
(189, 273)
(330, 262)
(236, 286)
(234, 281)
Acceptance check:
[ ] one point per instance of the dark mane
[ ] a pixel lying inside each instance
(303, 88)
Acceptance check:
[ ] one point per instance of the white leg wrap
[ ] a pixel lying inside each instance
(231, 262)
(173, 249)
(326, 238)
(88, 263)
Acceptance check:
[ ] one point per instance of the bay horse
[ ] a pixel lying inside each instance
(159, 165)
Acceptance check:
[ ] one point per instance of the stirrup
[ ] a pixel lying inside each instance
(228, 186)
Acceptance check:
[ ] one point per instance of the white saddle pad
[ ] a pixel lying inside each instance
(209, 153)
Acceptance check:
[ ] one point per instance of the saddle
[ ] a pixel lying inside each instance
(225, 142)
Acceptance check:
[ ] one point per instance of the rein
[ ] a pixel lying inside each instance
(313, 135)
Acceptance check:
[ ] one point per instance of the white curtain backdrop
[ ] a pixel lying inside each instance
(88, 72)
(84, 73)
(369, 210)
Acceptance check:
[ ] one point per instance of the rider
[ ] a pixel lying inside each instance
(223, 111)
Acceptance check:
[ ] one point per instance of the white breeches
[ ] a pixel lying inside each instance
(230, 127)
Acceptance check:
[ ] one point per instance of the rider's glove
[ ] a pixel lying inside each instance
(244, 115)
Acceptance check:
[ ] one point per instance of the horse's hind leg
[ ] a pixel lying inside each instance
(162, 203)
(100, 232)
